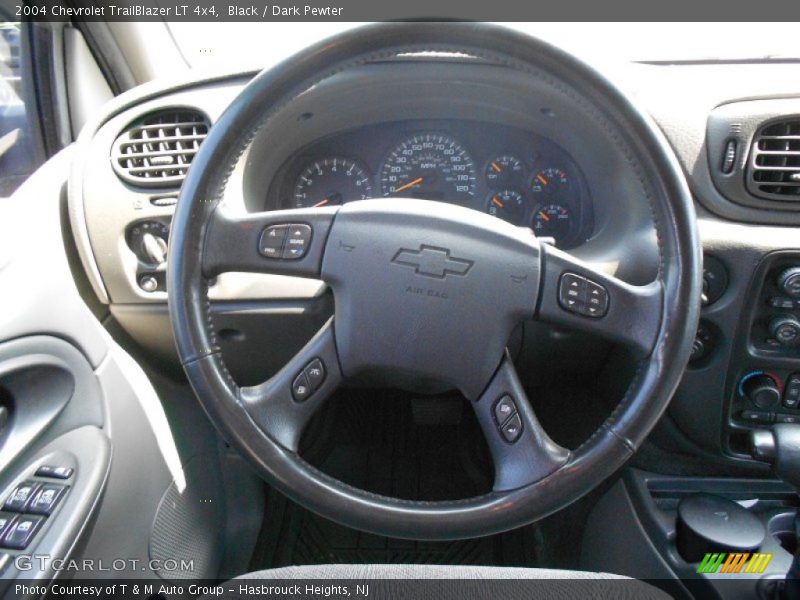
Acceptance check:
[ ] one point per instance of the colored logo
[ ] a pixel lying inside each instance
(736, 562)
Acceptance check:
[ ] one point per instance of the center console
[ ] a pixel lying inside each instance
(764, 372)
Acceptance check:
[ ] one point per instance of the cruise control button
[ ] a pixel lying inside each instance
(45, 500)
(54, 472)
(504, 408)
(512, 429)
(22, 531)
(19, 498)
(300, 388)
(315, 374)
(271, 242)
(5, 520)
(298, 239)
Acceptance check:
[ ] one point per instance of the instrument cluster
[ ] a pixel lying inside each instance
(512, 174)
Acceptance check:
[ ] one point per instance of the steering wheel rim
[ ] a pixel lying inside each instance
(206, 241)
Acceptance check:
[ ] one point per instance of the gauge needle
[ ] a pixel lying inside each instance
(496, 202)
(322, 202)
(544, 215)
(496, 167)
(542, 179)
(410, 184)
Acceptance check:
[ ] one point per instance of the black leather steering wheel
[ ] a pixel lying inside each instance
(429, 291)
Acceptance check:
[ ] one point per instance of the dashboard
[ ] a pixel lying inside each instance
(510, 173)
(480, 136)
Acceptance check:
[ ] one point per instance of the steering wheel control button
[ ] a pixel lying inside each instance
(571, 291)
(512, 429)
(46, 499)
(22, 531)
(582, 296)
(300, 388)
(54, 472)
(503, 409)
(298, 239)
(315, 374)
(271, 242)
(21, 496)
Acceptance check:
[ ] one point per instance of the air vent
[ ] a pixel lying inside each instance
(774, 171)
(158, 149)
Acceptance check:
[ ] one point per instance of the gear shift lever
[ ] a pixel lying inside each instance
(781, 447)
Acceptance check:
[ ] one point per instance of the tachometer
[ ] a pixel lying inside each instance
(430, 166)
(330, 181)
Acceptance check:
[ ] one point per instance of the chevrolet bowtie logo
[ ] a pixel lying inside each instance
(432, 262)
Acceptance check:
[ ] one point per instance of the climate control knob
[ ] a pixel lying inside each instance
(785, 329)
(789, 282)
(762, 391)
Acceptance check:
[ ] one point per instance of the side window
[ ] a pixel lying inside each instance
(19, 155)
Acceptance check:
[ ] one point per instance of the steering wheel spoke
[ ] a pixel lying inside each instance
(283, 405)
(582, 297)
(282, 242)
(522, 451)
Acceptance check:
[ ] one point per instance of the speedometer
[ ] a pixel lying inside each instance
(430, 166)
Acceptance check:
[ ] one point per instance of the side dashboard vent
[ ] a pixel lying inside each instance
(157, 149)
(774, 168)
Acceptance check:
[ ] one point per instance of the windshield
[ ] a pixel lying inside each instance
(244, 46)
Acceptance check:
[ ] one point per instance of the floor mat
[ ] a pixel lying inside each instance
(390, 443)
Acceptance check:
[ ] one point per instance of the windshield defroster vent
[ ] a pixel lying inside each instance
(774, 169)
(158, 149)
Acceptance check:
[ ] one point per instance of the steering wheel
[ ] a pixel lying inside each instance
(426, 291)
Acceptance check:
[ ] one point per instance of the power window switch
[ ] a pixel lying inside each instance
(46, 499)
(22, 531)
(6, 519)
(54, 472)
(21, 496)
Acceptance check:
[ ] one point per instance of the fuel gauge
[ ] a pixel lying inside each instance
(508, 205)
